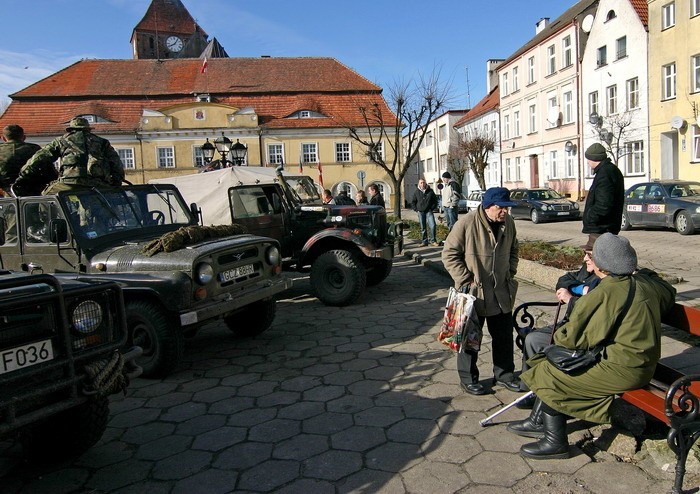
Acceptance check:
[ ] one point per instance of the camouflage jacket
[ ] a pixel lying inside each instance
(83, 158)
(13, 156)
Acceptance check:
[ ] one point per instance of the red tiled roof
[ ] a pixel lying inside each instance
(119, 91)
(488, 103)
(168, 16)
(642, 9)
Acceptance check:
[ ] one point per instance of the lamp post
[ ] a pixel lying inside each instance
(225, 148)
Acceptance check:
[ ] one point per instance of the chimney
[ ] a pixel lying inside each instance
(491, 74)
(541, 24)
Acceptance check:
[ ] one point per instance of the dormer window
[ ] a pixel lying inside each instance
(90, 118)
(203, 98)
(611, 15)
(304, 114)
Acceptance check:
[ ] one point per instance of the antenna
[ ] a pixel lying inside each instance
(469, 97)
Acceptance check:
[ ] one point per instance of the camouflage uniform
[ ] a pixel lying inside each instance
(85, 160)
(13, 155)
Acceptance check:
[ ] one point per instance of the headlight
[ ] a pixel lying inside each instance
(697, 210)
(575, 205)
(87, 316)
(273, 256)
(545, 207)
(204, 273)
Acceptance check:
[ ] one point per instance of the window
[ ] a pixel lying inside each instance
(695, 72)
(593, 102)
(551, 60)
(198, 157)
(633, 93)
(275, 154)
(533, 117)
(165, 157)
(506, 126)
(516, 83)
(304, 114)
(696, 144)
(517, 169)
(611, 15)
(443, 161)
(694, 7)
(493, 130)
(342, 152)
(552, 108)
(504, 84)
(570, 166)
(668, 15)
(429, 138)
(516, 124)
(509, 172)
(634, 158)
(668, 89)
(621, 47)
(552, 164)
(379, 148)
(309, 152)
(567, 58)
(126, 155)
(531, 70)
(602, 56)
(442, 132)
(611, 93)
(429, 164)
(568, 107)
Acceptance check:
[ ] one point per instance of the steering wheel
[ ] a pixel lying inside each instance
(157, 217)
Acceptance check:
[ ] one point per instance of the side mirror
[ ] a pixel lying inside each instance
(58, 231)
(2, 230)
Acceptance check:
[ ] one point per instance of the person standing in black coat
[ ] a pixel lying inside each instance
(604, 203)
(424, 201)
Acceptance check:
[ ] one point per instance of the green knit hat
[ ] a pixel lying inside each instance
(596, 152)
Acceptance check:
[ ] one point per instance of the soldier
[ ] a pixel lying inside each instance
(85, 160)
(14, 153)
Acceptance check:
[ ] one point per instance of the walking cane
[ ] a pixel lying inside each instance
(488, 419)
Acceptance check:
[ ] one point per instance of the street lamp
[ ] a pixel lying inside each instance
(225, 148)
(238, 152)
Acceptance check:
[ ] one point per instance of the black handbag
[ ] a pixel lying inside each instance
(577, 359)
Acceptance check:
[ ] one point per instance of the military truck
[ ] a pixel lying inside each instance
(176, 274)
(60, 361)
(344, 248)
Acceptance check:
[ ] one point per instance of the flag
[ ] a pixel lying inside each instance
(205, 63)
(301, 166)
(320, 175)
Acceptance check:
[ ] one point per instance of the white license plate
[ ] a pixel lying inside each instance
(234, 273)
(25, 356)
(563, 213)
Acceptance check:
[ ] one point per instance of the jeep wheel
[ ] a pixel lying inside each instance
(151, 329)
(338, 278)
(70, 432)
(252, 320)
(377, 271)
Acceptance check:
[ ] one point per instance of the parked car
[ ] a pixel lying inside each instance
(663, 203)
(473, 200)
(543, 204)
(462, 205)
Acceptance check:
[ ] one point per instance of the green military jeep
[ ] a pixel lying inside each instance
(176, 275)
(345, 248)
(60, 360)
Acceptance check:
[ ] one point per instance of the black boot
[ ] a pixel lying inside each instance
(531, 426)
(527, 403)
(554, 444)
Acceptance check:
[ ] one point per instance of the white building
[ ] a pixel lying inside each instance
(615, 86)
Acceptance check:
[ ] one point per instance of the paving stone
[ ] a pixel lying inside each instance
(371, 481)
(58, 482)
(252, 416)
(201, 425)
(301, 447)
(333, 465)
(243, 455)
(451, 449)
(210, 481)
(155, 389)
(274, 431)
(369, 388)
(307, 486)
(134, 418)
(359, 438)
(359, 364)
(215, 394)
(119, 475)
(232, 405)
(394, 457)
(349, 404)
(379, 416)
(301, 383)
(435, 477)
(163, 447)
(414, 431)
(427, 409)
(481, 468)
(260, 388)
(596, 477)
(461, 423)
(323, 393)
(151, 487)
(122, 404)
(240, 379)
(147, 433)
(269, 475)
(186, 411)
(327, 423)
(497, 438)
(302, 410)
(198, 385)
(181, 465)
(569, 466)
(381, 373)
(169, 400)
(220, 438)
(105, 454)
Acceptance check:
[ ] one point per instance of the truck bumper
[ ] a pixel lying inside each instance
(230, 302)
(386, 252)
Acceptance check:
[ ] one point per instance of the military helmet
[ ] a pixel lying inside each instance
(78, 123)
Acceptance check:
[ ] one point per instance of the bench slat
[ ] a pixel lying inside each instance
(683, 317)
(650, 400)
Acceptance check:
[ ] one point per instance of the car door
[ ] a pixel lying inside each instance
(633, 203)
(521, 209)
(654, 206)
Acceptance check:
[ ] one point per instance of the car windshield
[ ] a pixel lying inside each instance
(95, 213)
(684, 190)
(543, 195)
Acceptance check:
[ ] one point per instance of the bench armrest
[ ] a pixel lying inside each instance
(682, 408)
(524, 321)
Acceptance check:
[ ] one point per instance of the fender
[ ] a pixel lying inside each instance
(336, 235)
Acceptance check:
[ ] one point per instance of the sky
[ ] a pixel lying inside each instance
(386, 41)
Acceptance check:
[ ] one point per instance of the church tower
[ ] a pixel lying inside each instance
(167, 30)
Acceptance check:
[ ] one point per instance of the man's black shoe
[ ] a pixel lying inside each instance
(474, 388)
(511, 385)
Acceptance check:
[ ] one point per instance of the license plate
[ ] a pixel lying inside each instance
(232, 274)
(25, 356)
(563, 213)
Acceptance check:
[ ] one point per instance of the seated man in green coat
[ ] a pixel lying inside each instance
(627, 362)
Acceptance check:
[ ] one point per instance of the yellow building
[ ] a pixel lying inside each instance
(674, 89)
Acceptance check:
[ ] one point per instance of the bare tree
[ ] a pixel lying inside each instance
(472, 153)
(412, 105)
(614, 132)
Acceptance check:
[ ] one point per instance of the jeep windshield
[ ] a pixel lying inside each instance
(304, 189)
(96, 213)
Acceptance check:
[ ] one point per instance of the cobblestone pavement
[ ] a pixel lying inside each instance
(354, 399)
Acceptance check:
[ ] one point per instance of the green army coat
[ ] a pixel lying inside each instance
(13, 156)
(84, 159)
(627, 363)
(473, 255)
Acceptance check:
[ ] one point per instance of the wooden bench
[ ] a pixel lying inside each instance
(671, 397)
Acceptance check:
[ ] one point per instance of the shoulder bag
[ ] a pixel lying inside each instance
(573, 360)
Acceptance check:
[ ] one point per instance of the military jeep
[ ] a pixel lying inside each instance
(60, 361)
(345, 248)
(176, 275)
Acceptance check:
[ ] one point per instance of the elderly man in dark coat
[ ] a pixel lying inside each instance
(627, 361)
(606, 197)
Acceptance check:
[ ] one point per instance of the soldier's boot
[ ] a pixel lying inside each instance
(554, 444)
(532, 426)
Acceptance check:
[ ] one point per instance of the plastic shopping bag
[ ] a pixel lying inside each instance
(460, 328)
